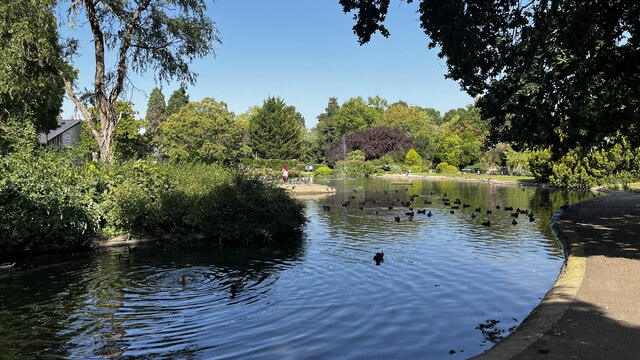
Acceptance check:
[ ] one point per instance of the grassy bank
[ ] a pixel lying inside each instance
(51, 202)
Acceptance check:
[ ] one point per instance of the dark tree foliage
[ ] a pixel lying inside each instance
(177, 100)
(547, 73)
(374, 142)
(156, 110)
(276, 131)
(29, 89)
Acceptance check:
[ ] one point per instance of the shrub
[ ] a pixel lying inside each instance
(45, 204)
(323, 171)
(541, 165)
(413, 159)
(444, 168)
(354, 168)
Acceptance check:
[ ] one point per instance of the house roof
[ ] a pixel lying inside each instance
(63, 125)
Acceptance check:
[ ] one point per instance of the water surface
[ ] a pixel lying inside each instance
(448, 288)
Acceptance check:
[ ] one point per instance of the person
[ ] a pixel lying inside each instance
(285, 173)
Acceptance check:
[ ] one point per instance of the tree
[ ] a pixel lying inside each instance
(202, 131)
(402, 116)
(177, 100)
(29, 91)
(156, 110)
(326, 127)
(165, 35)
(355, 115)
(374, 142)
(556, 73)
(277, 131)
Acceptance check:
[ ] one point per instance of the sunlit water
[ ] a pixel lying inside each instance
(444, 283)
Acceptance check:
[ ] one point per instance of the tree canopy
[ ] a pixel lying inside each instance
(202, 131)
(29, 90)
(178, 99)
(277, 131)
(557, 73)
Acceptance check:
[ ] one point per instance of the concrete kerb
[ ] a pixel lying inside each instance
(556, 301)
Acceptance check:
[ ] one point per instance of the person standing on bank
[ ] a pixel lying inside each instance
(285, 173)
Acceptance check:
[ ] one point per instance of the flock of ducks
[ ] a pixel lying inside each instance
(453, 206)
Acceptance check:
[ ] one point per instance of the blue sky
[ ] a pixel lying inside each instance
(303, 52)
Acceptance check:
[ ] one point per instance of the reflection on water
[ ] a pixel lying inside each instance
(319, 297)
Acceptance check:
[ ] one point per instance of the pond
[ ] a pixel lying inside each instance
(449, 287)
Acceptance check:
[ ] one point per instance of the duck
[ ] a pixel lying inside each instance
(7, 265)
(423, 211)
(473, 215)
(452, 212)
(486, 223)
(379, 257)
(410, 213)
(397, 218)
(489, 212)
(429, 213)
(478, 209)
(497, 207)
(514, 222)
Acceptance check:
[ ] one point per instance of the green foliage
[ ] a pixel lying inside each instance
(45, 204)
(354, 115)
(177, 100)
(30, 91)
(540, 164)
(277, 131)
(354, 168)
(413, 159)
(323, 170)
(202, 131)
(156, 110)
(613, 165)
(444, 168)
(356, 155)
(325, 132)
(517, 161)
(17, 135)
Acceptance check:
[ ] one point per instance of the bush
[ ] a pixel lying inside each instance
(444, 168)
(541, 165)
(413, 159)
(354, 168)
(322, 171)
(45, 204)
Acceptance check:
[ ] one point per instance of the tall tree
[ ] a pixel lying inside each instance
(325, 131)
(277, 131)
(177, 100)
(165, 35)
(560, 73)
(156, 110)
(29, 91)
(203, 131)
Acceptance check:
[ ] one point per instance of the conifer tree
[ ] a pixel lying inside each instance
(178, 99)
(277, 131)
(156, 110)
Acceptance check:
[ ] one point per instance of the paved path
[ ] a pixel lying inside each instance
(593, 310)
